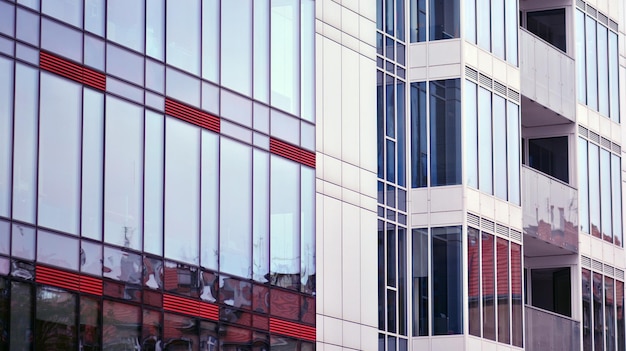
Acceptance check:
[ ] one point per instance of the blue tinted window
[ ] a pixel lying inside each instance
(6, 128)
(417, 26)
(583, 185)
(499, 150)
(391, 160)
(236, 45)
(471, 134)
(183, 35)
(447, 290)
(419, 143)
(390, 109)
(445, 132)
(581, 82)
(380, 124)
(592, 63)
(67, 11)
(444, 19)
(125, 23)
(485, 146)
(401, 135)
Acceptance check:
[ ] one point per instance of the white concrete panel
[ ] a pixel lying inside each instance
(485, 60)
(616, 132)
(420, 200)
(500, 70)
(584, 244)
(501, 211)
(350, 263)
(319, 326)
(350, 176)
(332, 33)
(333, 190)
(603, 6)
(421, 344)
(331, 95)
(350, 42)
(333, 331)
(351, 335)
(368, 203)
(438, 219)
(444, 71)
(332, 13)
(470, 53)
(351, 4)
(419, 220)
(503, 348)
(332, 260)
(418, 74)
(369, 267)
(367, 31)
(581, 115)
(448, 343)
(472, 200)
(513, 77)
(488, 346)
(417, 55)
(593, 120)
(369, 336)
(349, 22)
(349, 106)
(367, 115)
(597, 248)
(367, 183)
(608, 255)
(332, 169)
(515, 217)
(605, 127)
(367, 50)
(351, 197)
(449, 198)
(487, 205)
(444, 52)
(367, 9)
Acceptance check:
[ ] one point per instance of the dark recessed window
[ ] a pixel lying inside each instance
(548, 25)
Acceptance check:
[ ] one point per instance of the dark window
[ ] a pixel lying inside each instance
(548, 25)
(447, 281)
(445, 132)
(550, 156)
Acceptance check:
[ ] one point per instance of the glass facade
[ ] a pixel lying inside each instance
(133, 215)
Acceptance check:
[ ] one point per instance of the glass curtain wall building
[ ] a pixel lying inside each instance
(157, 175)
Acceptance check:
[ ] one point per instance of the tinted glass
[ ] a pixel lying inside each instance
(489, 286)
(260, 216)
(511, 29)
(513, 152)
(209, 200)
(445, 132)
(605, 195)
(21, 322)
(285, 58)
(210, 39)
(418, 21)
(616, 193)
(419, 152)
(125, 23)
(155, 29)
(307, 59)
(94, 16)
(55, 320)
(497, 28)
(485, 146)
(586, 312)
(594, 189)
(471, 134)
(400, 93)
(236, 45)
(6, 134)
(153, 186)
(581, 82)
(92, 173)
(500, 151)
(516, 296)
(183, 35)
(419, 256)
(483, 21)
(307, 225)
(67, 11)
(503, 294)
(598, 318)
(444, 19)
(447, 290)
(603, 70)
(122, 325)
(57, 250)
(261, 49)
(592, 63)
(613, 77)
(473, 281)
(609, 312)
(583, 185)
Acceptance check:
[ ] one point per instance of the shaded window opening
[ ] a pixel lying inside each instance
(548, 25)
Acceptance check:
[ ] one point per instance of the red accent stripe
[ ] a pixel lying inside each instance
(292, 329)
(61, 279)
(292, 152)
(192, 115)
(72, 70)
(90, 285)
(190, 307)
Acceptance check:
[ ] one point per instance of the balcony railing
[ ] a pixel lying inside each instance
(550, 209)
(548, 75)
(548, 331)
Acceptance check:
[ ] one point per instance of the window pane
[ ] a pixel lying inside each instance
(418, 21)
(616, 192)
(307, 265)
(125, 64)
(419, 255)
(400, 93)
(6, 134)
(67, 11)
(586, 312)
(182, 181)
(583, 185)
(93, 149)
(94, 16)
(121, 324)
(471, 134)
(445, 132)
(209, 200)
(153, 187)
(57, 250)
(123, 174)
(183, 35)
(484, 24)
(20, 328)
(236, 45)
(485, 147)
(155, 28)
(489, 284)
(497, 27)
(55, 323)
(594, 189)
(23, 243)
(59, 154)
(511, 29)
(581, 82)
(7, 19)
(504, 335)
(592, 74)
(210, 40)
(603, 70)
(307, 41)
(125, 23)
(609, 312)
(389, 17)
(613, 77)
(90, 327)
(444, 19)
(402, 281)
(619, 303)
(236, 216)
(284, 222)
(419, 146)
(598, 317)
(260, 217)
(27, 26)
(261, 49)
(447, 281)
(25, 143)
(605, 195)
(285, 44)
(516, 295)
(391, 161)
(513, 149)
(500, 151)
(391, 256)
(470, 21)
(473, 280)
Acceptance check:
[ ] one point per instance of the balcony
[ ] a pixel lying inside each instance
(548, 82)
(550, 214)
(547, 331)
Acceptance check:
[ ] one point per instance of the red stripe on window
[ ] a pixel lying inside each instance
(190, 306)
(296, 330)
(90, 285)
(292, 152)
(192, 115)
(72, 70)
(54, 277)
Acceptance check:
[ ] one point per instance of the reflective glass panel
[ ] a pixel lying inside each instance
(153, 186)
(619, 304)
(586, 312)
(419, 143)
(57, 250)
(307, 48)
(581, 81)
(390, 109)
(183, 35)
(27, 26)
(90, 258)
(182, 192)
(592, 63)
(500, 151)
(471, 134)
(583, 185)
(513, 152)
(473, 280)
(483, 20)
(517, 338)
(236, 45)
(613, 77)
(598, 318)
(121, 324)
(55, 320)
(94, 16)
(444, 19)
(6, 133)
(125, 23)
(504, 334)
(209, 200)
(59, 154)
(485, 147)
(497, 28)
(489, 286)
(176, 332)
(5, 237)
(445, 132)
(25, 143)
(603, 70)
(23, 241)
(211, 38)
(605, 195)
(307, 225)
(417, 25)
(21, 322)
(609, 313)
(90, 327)
(511, 30)
(285, 55)
(616, 193)
(419, 256)
(155, 28)
(7, 19)
(92, 173)
(123, 266)
(400, 96)
(123, 175)
(260, 217)
(594, 189)
(261, 47)
(447, 290)
(235, 216)
(67, 11)
(125, 64)
(284, 222)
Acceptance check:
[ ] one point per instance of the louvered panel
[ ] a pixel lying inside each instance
(192, 115)
(473, 220)
(596, 266)
(613, 25)
(487, 225)
(485, 81)
(592, 10)
(514, 95)
(585, 261)
(616, 148)
(307, 158)
(90, 285)
(610, 270)
(292, 329)
(583, 131)
(606, 143)
(581, 4)
(61, 67)
(516, 235)
(208, 311)
(602, 18)
(54, 277)
(594, 137)
(94, 79)
(292, 152)
(502, 230)
(180, 304)
(471, 73)
(619, 274)
(499, 88)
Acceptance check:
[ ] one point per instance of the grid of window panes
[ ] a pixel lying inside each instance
(122, 189)
(597, 62)
(600, 190)
(435, 117)
(602, 325)
(492, 142)
(495, 306)
(434, 20)
(493, 25)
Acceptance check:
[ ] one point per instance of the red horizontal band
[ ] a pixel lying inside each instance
(292, 152)
(190, 306)
(296, 330)
(72, 70)
(68, 280)
(192, 115)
